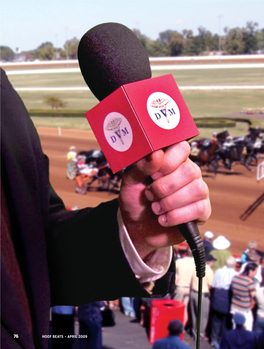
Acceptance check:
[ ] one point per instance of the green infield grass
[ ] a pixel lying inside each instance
(201, 103)
(80, 100)
(184, 77)
(216, 77)
(78, 123)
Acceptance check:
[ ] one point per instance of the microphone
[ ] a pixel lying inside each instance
(116, 68)
(138, 114)
(110, 55)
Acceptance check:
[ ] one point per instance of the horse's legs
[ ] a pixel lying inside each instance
(247, 162)
(215, 166)
(229, 164)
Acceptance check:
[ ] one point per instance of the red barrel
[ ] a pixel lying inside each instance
(162, 312)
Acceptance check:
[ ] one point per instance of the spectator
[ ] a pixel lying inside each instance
(90, 320)
(145, 312)
(128, 306)
(206, 286)
(62, 326)
(180, 249)
(251, 254)
(207, 241)
(243, 293)
(258, 277)
(221, 301)
(260, 342)
(51, 256)
(185, 268)
(114, 305)
(238, 338)
(173, 340)
(259, 323)
(220, 252)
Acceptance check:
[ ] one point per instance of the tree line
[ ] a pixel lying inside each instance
(170, 43)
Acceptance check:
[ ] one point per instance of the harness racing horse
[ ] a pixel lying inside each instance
(207, 155)
(91, 157)
(234, 153)
(221, 137)
(250, 151)
(102, 173)
(253, 152)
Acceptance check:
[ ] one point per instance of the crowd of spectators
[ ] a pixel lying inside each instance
(232, 298)
(233, 293)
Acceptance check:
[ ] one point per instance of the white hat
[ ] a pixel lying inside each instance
(208, 235)
(221, 243)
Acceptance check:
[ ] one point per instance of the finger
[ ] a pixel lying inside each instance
(193, 192)
(169, 184)
(174, 156)
(197, 211)
(145, 167)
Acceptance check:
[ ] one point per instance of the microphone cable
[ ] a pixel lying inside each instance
(192, 235)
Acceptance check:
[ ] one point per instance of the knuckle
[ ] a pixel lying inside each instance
(200, 207)
(160, 188)
(169, 162)
(190, 170)
(198, 170)
(173, 218)
(203, 210)
(167, 204)
(199, 189)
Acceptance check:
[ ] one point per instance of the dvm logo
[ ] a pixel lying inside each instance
(118, 132)
(163, 110)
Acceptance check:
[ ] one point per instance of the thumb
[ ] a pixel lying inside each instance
(146, 167)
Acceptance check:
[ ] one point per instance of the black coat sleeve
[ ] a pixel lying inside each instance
(78, 254)
(88, 262)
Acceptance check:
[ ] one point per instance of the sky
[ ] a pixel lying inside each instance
(26, 24)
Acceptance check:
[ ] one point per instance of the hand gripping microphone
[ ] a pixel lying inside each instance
(137, 114)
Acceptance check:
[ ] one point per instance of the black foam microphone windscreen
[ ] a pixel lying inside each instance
(110, 55)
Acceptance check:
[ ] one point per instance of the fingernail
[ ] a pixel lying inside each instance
(163, 219)
(149, 195)
(156, 208)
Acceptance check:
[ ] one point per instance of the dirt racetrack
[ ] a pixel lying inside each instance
(236, 197)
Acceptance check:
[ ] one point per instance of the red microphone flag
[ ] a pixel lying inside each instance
(140, 117)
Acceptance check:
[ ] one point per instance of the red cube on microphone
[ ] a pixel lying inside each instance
(140, 117)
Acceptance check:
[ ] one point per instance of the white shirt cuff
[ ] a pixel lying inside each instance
(156, 267)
